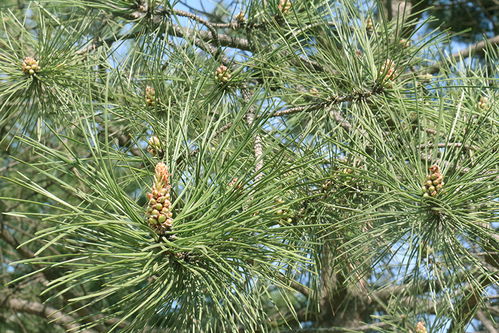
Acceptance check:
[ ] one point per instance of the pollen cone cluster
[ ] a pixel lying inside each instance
(30, 66)
(284, 6)
(420, 328)
(434, 182)
(369, 25)
(483, 103)
(284, 213)
(240, 18)
(235, 183)
(388, 69)
(222, 74)
(314, 92)
(159, 213)
(154, 146)
(150, 96)
(405, 43)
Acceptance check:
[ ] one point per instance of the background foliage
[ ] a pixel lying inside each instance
(298, 136)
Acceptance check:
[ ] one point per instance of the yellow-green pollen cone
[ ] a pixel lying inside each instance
(159, 211)
(222, 74)
(284, 6)
(150, 96)
(434, 182)
(30, 66)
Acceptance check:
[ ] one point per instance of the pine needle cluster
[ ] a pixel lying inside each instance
(165, 170)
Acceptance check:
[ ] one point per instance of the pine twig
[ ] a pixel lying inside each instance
(9, 239)
(189, 33)
(198, 19)
(473, 49)
(447, 145)
(354, 97)
(8, 166)
(257, 146)
(487, 323)
(44, 311)
(96, 43)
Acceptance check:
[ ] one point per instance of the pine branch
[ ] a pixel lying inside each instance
(203, 42)
(197, 36)
(466, 310)
(421, 287)
(371, 326)
(297, 109)
(225, 40)
(45, 275)
(22, 250)
(257, 146)
(476, 48)
(305, 291)
(196, 18)
(487, 323)
(357, 96)
(175, 31)
(354, 97)
(190, 33)
(9, 166)
(98, 42)
(44, 311)
(448, 145)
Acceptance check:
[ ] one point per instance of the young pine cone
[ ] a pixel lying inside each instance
(388, 69)
(369, 25)
(235, 183)
(154, 146)
(434, 182)
(284, 6)
(420, 328)
(222, 74)
(150, 96)
(159, 213)
(405, 43)
(30, 66)
(239, 18)
(483, 103)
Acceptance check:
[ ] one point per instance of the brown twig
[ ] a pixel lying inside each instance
(38, 309)
(447, 145)
(225, 40)
(9, 239)
(96, 43)
(10, 165)
(468, 306)
(354, 97)
(188, 33)
(487, 323)
(441, 163)
(297, 109)
(198, 19)
(257, 146)
(473, 49)
(202, 43)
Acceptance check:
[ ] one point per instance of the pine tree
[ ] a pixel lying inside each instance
(268, 166)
